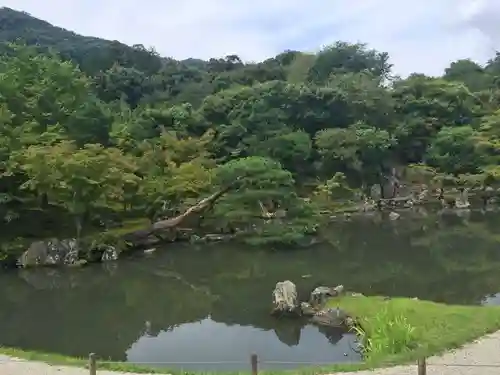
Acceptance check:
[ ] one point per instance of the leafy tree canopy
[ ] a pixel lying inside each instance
(90, 127)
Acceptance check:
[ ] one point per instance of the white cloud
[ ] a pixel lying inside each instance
(421, 36)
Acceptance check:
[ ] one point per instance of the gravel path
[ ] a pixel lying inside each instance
(15, 366)
(478, 358)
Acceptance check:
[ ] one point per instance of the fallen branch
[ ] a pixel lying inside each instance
(153, 234)
(197, 208)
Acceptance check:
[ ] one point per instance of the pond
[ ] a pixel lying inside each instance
(207, 307)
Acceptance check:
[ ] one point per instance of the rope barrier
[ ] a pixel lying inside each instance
(422, 364)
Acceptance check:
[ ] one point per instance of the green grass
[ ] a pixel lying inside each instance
(401, 330)
(397, 331)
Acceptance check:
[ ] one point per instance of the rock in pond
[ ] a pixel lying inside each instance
(285, 299)
(320, 294)
(286, 304)
(50, 253)
(335, 318)
(55, 252)
(306, 309)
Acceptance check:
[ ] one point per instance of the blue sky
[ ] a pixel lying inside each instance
(420, 36)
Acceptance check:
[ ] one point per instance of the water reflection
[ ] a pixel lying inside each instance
(211, 304)
(493, 299)
(177, 346)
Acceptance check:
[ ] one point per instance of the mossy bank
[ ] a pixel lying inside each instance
(397, 331)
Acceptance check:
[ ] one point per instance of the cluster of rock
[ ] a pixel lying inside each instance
(286, 303)
(56, 252)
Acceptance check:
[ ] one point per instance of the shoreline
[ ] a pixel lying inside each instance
(478, 357)
(119, 239)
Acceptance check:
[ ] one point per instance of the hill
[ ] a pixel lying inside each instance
(92, 54)
(179, 81)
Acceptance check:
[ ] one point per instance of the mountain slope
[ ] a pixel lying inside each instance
(92, 54)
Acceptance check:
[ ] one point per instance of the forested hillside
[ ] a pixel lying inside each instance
(101, 132)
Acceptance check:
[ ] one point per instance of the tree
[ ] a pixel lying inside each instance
(434, 98)
(368, 98)
(263, 198)
(293, 149)
(470, 73)
(42, 91)
(420, 174)
(334, 191)
(455, 151)
(424, 106)
(128, 84)
(300, 65)
(362, 152)
(176, 170)
(78, 180)
(343, 57)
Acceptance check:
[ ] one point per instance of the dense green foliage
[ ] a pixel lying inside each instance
(95, 130)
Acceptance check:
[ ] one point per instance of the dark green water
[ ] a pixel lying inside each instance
(205, 305)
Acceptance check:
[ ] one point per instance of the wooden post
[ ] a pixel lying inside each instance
(253, 362)
(422, 367)
(92, 364)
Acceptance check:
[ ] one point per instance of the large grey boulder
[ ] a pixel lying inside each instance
(285, 299)
(50, 253)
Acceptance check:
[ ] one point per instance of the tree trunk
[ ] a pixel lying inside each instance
(197, 208)
(142, 237)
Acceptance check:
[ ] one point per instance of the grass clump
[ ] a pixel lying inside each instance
(387, 333)
(394, 331)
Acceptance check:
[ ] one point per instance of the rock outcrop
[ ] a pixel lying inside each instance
(66, 252)
(285, 299)
(286, 303)
(50, 253)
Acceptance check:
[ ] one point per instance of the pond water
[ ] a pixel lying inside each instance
(207, 307)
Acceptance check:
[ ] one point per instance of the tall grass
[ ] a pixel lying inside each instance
(385, 334)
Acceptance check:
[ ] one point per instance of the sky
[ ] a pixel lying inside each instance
(420, 36)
